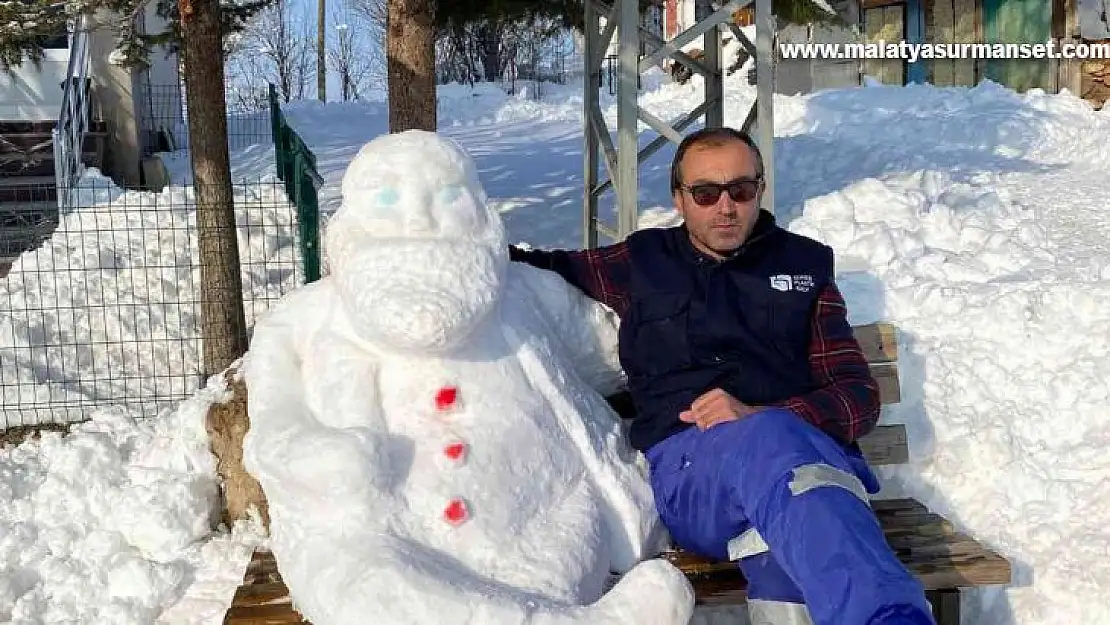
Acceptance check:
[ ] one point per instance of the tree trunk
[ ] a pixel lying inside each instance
(410, 59)
(321, 50)
(223, 325)
(489, 46)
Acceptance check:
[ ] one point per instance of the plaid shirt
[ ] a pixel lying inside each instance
(845, 403)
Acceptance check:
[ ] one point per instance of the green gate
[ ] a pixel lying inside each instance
(1019, 21)
(296, 167)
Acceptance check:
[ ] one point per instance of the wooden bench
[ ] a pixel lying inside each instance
(944, 559)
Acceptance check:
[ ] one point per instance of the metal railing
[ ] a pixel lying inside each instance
(296, 167)
(73, 119)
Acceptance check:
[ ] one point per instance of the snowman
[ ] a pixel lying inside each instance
(429, 427)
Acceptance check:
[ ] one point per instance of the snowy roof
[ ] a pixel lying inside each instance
(1093, 21)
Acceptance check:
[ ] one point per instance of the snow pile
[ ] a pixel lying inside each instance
(111, 523)
(1004, 350)
(107, 309)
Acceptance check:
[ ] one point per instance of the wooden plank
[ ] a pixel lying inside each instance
(886, 445)
(878, 341)
(267, 593)
(886, 376)
(281, 614)
(1066, 26)
(884, 24)
(944, 28)
(872, 25)
(965, 30)
(894, 31)
(878, 4)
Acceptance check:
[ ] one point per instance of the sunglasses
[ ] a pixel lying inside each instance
(708, 193)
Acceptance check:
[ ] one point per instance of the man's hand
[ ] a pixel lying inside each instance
(713, 407)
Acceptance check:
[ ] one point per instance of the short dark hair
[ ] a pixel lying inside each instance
(714, 135)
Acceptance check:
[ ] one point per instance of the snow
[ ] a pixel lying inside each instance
(973, 219)
(113, 523)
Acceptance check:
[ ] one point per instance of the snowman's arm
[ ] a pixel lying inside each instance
(586, 329)
(300, 461)
(633, 526)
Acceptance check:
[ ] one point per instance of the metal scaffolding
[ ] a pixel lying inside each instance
(622, 159)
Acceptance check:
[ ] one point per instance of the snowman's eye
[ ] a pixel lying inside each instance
(388, 197)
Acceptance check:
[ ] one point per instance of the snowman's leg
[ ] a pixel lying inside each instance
(374, 577)
(805, 498)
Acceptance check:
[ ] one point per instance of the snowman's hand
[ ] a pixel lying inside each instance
(654, 592)
(305, 465)
(348, 466)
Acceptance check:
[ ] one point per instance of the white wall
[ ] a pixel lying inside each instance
(34, 94)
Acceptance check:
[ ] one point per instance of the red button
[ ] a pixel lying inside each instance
(455, 512)
(446, 397)
(455, 451)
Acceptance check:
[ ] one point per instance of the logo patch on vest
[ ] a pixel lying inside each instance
(783, 282)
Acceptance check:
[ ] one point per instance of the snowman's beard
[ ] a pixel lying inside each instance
(420, 295)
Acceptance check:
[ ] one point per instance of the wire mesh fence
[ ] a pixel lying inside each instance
(102, 305)
(164, 120)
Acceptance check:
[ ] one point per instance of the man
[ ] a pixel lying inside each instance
(750, 394)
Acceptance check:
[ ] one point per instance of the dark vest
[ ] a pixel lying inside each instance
(695, 323)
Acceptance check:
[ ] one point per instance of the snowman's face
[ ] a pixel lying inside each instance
(417, 256)
(417, 187)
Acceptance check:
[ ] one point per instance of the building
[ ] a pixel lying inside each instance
(993, 22)
(119, 105)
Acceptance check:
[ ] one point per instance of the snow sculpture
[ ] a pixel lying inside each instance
(428, 424)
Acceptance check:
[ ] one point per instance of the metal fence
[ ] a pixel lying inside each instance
(163, 120)
(296, 166)
(101, 305)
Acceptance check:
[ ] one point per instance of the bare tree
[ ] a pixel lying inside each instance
(321, 50)
(410, 61)
(270, 50)
(223, 323)
(373, 12)
(351, 58)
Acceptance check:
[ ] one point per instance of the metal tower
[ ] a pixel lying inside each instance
(622, 159)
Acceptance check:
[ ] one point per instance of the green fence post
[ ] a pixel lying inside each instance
(308, 214)
(275, 130)
(290, 147)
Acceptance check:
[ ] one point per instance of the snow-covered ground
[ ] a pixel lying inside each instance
(973, 219)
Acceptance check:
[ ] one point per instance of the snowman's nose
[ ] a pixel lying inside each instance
(420, 221)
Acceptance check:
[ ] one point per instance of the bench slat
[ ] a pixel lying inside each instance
(886, 445)
(879, 342)
(886, 376)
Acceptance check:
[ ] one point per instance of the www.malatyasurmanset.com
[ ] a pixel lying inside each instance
(914, 51)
